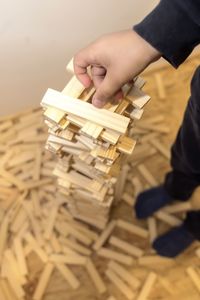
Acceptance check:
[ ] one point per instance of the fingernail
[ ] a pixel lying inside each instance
(98, 103)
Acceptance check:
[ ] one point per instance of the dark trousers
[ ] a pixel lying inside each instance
(185, 175)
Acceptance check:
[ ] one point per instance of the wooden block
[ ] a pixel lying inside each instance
(124, 289)
(137, 186)
(3, 235)
(38, 161)
(126, 145)
(167, 285)
(74, 88)
(148, 137)
(12, 179)
(68, 275)
(20, 256)
(111, 298)
(95, 277)
(69, 259)
(70, 66)
(124, 274)
(84, 229)
(55, 244)
(136, 113)
(53, 114)
(147, 287)
(76, 246)
(160, 147)
(121, 181)
(51, 221)
(35, 224)
(126, 247)
(160, 85)
(137, 97)
(177, 208)
(13, 281)
(36, 248)
(147, 175)
(194, 276)
(7, 290)
(152, 229)
(43, 281)
(87, 93)
(110, 136)
(167, 218)
(128, 199)
(79, 108)
(36, 202)
(91, 130)
(155, 260)
(143, 233)
(104, 235)
(110, 254)
(12, 267)
(154, 127)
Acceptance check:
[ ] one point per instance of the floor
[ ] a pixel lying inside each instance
(169, 90)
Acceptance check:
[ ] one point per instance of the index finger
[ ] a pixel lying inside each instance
(80, 69)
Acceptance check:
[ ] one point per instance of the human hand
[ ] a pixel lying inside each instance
(115, 59)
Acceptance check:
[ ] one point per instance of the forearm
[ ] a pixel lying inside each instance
(173, 28)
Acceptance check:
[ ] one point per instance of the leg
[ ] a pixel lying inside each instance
(185, 175)
(181, 181)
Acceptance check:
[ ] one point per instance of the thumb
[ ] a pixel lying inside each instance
(106, 90)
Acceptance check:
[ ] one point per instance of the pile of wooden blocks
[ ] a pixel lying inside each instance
(92, 145)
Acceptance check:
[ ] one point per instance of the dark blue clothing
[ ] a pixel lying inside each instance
(173, 28)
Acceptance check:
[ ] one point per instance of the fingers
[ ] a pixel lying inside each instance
(80, 69)
(107, 90)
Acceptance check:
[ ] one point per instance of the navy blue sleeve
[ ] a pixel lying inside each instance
(173, 28)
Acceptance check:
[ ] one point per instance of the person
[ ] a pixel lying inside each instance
(171, 30)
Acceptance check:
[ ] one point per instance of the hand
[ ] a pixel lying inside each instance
(115, 59)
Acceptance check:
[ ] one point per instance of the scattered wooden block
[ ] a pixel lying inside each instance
(194, 276)
(43, 281)
(124, 274)
(124, 289)
(143, 233)
(167, 218)
(147, 175)
(146, 289)
(104, 235)
(110, 254)
(68, 275)
(95, 277)
(152, 229)
(126, 247)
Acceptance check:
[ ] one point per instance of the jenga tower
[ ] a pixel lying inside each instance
(91, 145)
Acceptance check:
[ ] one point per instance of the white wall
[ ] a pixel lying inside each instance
(38, 37)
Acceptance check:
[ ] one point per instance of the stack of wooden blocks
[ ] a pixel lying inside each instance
(91, 145)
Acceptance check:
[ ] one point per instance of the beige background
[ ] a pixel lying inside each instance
(37, 38)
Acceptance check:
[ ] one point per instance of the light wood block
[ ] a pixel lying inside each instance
(104, 235)
(85, 110)
(43, 281)
(194, 276)
(110, 254)
(68, 275)
(124, 289)
(95, 277)
(146, 289)
(126, 247)
(124, 274)
(143, 233)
